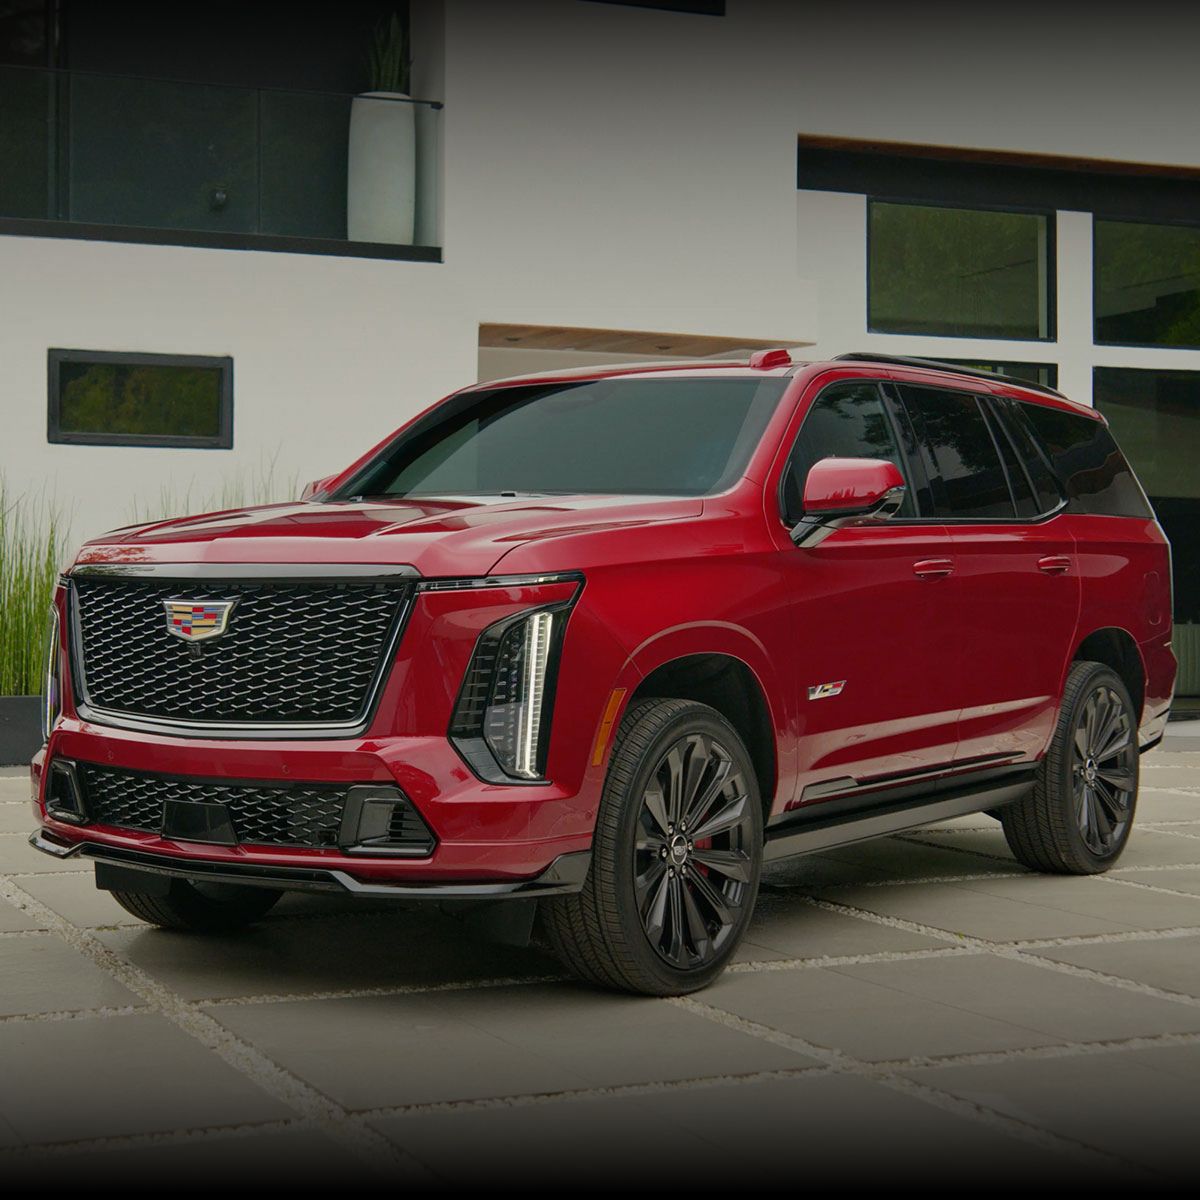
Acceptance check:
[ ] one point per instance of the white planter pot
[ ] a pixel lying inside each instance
(381, 177)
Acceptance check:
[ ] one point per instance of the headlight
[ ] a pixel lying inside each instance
(501, 722)
(51, 676)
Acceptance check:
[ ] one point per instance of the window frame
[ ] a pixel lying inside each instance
(983, 400)
(1051, 217)
(911, 466)
(56, 435)
(1096, 340)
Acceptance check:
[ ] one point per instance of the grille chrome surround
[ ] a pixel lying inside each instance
(305, 815)
(306, 655)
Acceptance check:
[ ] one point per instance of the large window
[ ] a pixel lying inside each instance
(959, 272)
(102, 399)
(1155, 416)
(1147, 284)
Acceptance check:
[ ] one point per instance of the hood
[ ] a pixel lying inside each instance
(460, 537)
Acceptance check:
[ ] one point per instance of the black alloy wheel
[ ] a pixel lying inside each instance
(1104, 769)
(692, 862)
(1079, 815)
(676, 856)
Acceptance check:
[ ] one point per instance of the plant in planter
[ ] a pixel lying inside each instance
(32, 550)
(381, 178)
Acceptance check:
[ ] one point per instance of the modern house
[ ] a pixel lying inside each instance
(188, 299)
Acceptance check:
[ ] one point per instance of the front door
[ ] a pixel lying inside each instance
(873, 606)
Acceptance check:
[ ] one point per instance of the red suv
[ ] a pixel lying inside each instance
(612, 640)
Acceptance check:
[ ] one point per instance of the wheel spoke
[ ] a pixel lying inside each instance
(1089, 724)
(1119, 745)
(675, 776)
(702, 804)
(733, 864)
(673, 946)
(654, 915)
(731, 815)
(1099, 818)
(656, 806)
(1104, 734)
(1110, 804)
(696, 766)
(697, 925)
(1081, 746)
(1120, 778)
(712, 898)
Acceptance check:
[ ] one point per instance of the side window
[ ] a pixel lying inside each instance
(1033, 457)
(960, 455)
(847, 420)
(1019, 482)
(1088, 462)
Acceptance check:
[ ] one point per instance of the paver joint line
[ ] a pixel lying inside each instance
(343, 1127)
(843, 1063)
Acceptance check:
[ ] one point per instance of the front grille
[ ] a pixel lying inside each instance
(294, 652)
(262, 814)
(299, 815)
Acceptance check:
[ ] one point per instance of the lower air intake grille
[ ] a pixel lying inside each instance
(302, 814)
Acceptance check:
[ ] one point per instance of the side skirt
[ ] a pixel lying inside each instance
(877, 815)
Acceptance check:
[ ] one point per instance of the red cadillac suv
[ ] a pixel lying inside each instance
(611, 640)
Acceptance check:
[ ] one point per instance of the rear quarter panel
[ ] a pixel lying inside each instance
(1125, 568)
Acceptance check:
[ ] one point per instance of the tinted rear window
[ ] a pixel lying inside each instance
(960, 455)
(1088, 462)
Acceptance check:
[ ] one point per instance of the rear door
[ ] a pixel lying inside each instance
(1016, 566)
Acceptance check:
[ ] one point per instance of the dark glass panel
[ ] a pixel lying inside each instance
(845, 421)
(958, 272)
(960, 455)
(1088, 461)
(1147, 284)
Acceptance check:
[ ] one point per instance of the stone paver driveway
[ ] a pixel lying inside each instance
(915, 1009)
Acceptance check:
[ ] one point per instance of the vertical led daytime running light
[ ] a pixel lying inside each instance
(50, 679)
(538, 629)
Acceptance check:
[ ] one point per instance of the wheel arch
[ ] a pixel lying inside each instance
(727, 684)
(1117, 649)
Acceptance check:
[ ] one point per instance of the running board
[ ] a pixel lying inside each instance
(813, 832)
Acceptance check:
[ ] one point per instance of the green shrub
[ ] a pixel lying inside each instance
(33, 547)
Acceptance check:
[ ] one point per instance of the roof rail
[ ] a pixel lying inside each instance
(933, 363)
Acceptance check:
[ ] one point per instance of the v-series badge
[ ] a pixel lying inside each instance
(822, 691)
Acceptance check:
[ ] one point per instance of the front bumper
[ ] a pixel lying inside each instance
(564, 875)
(490, 840)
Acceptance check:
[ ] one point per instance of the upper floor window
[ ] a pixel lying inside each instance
(1147, 284)
(959, 272)
(98, 398)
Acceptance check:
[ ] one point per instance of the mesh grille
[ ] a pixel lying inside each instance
(294, 651)
(301, 815)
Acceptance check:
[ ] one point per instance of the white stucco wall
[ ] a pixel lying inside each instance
(604, 166)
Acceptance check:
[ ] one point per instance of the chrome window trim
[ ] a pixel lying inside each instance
(236, 730)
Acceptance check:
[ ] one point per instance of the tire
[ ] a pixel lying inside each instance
(200, 907)
(1079, 816)
(659, 914)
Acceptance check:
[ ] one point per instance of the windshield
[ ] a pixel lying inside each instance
(669, 437)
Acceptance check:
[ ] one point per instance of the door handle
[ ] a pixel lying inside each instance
(933, 568)
(1054, 564)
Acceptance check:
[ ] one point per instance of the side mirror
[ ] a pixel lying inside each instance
(317, 485)
(838, 490)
